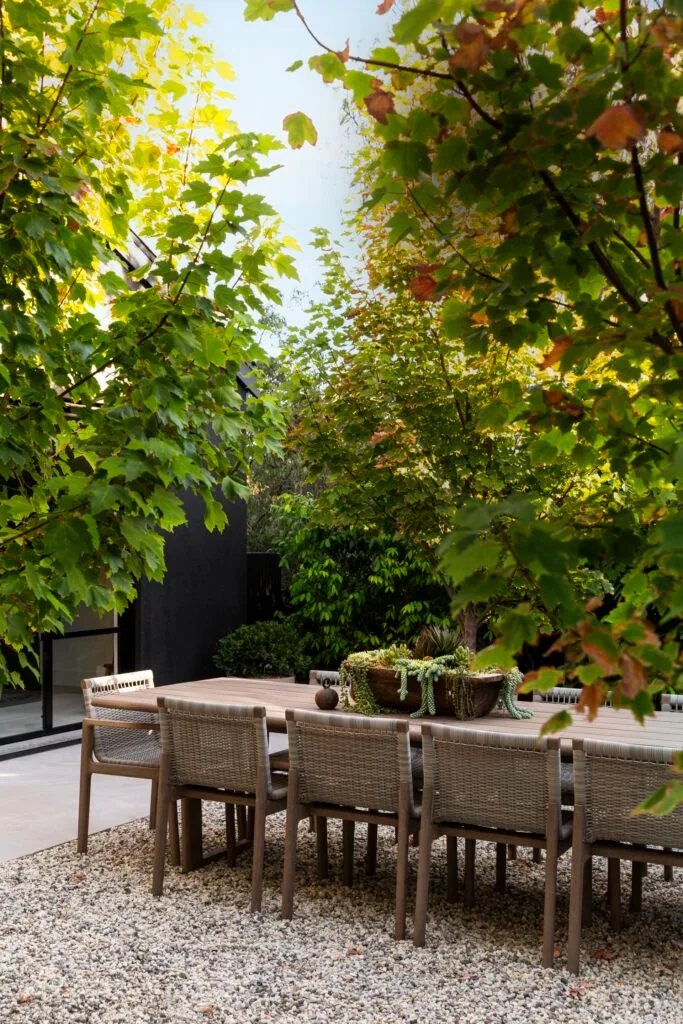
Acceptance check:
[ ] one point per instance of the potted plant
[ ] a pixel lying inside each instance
(270, 649)
(434, 679)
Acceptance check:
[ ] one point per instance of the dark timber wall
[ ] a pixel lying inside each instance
(173, 627)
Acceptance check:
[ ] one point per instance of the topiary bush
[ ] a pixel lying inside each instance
(271, 648)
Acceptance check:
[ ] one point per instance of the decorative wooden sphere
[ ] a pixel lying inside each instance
(326, 698)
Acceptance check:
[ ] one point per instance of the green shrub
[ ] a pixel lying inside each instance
(263, 649)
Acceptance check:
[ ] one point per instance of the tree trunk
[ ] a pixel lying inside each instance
(469, 621)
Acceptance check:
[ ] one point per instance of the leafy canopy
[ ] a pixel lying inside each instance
(558, 126)
(118, 393)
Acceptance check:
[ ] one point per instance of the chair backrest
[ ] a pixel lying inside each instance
(566, 695)
(119, 745)
(219, 746)
(350, 760)
(610, 780)
(672, 702)
(492, 780)
(559, 695)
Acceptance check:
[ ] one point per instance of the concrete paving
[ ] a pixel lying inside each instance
(39, 801)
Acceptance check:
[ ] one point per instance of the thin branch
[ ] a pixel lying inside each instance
(623, 29)
(632, 248)
(652, 241)
(599, 256)
(367, 60)
(62, 87)
(449, 243)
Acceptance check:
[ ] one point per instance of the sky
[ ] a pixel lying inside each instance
(312, 187)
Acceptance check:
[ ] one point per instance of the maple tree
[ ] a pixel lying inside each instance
(119, 392)
(407, 432)
(559, 125)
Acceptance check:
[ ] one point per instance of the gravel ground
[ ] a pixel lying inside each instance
(82, 940)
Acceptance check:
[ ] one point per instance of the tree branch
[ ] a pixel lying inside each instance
(62, 87)
(426, 72)
(652, 241)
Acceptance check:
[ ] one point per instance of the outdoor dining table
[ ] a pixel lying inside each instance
(663, 729)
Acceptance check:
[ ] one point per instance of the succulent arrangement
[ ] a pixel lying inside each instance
(450, 662)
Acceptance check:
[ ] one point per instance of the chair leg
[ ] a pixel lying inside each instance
(501, 867)
(241, 821)
(637, 886)
(470, 850)
(401, 878)
(257, 855)
(230, 836)
(512, 852)
(347, 851)
(587, 903)
(84, 794)
(614, 891)
(174, 834)
(451, 868)
(536, 855)
(577, 905)
(549, 904)
(160, 841)
(668, 870)
(371, 853)
(251, 814)
(153, 803)
(321, 844)
(422, 896)
(289, 870)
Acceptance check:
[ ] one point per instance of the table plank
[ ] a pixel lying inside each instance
(664, 729)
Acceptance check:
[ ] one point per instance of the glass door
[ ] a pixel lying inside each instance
(88, 648)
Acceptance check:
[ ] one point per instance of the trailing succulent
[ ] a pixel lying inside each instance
(426, 671)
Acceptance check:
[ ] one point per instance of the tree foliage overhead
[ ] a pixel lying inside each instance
(557, 125)
(118, 393)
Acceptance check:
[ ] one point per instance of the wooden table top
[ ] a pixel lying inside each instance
(665, 729)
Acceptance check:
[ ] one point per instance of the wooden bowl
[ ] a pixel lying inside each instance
(481, 692)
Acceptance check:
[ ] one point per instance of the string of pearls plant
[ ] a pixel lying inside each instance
(426, 672)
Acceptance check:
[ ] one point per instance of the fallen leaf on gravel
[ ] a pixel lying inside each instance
(25, 998)
(77, 876)
(354, 951)
(207, 1009)
(604, 954)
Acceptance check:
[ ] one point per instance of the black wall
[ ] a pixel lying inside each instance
(173, 627)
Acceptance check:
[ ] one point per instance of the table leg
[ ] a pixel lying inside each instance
(191, 855)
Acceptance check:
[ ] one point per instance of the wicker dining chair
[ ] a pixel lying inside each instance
(493, 787)
(352, 768)
(217, 752)
(611, 780)
(117, 742)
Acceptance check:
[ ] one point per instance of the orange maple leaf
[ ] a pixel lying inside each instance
(380, 104)
(423, 286)
(670, 142)
(560, 346)
(474, 47)
(620, 127)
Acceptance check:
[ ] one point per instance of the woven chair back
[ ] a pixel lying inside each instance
(672, 702)
(610, 780)
(349, 760)
(566, 695)
(491, 780)
(219, 746)
(122, 746)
